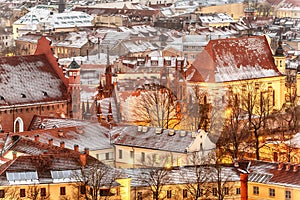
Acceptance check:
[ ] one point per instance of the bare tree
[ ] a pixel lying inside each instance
(222, 180)
(97, 181)
(196, 184)
(157, 106)
(195, 110)
(257, 99)
(156, 176)
(36, 192)
(232, 138)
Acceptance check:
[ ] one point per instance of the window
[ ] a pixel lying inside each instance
(238, 190)
(271, 192)
(82, 189)
(131, 154)
(215, 192)
(178, 161)
(169, 194)
(156, 159)
(43, 192)
(184, 193)
(105, 192)
(143, 157)
(62, 190)
(2, 193)
(22, 193)
(106, 156)
(226, 190)
(256, 190)
(120, 154)
(288, 195)
(139, 196)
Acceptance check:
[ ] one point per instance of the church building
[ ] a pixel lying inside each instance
(36, 85)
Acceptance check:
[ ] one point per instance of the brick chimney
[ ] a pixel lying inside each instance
(36, 138)
(14, 154)
(62, 144)
(287, 167)
(76, 148)
(295, 168)
(83, 159)
(87, 151)
(280, 166)
(50, 141)
(244, 186)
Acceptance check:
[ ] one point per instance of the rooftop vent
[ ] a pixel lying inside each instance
(145, 129)
(182, 133)
(140, 128)
(23, 95)
(171, 132)
(45, 93)
(158, 130)
(1, 97)
(60, 133)
(42, 126)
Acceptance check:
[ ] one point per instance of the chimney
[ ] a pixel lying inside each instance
(87, 151)
(295, 168)
(36, 138)
(287, 167)
(62, 144)
(50, 141)
(76, 148)
(83, 159)
(280, 166)
(14, 154)
(244, 186)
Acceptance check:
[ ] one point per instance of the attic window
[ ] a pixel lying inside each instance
(23, 95)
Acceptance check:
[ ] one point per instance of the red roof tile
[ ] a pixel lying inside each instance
(235, 59)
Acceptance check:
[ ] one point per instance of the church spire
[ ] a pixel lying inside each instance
(279, 57)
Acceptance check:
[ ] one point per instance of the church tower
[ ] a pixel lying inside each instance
(74, 90)
(279, 58)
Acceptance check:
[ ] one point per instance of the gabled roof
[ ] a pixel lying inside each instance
(29, 79)
(234, 59)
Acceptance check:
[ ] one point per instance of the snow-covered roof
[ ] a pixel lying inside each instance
(160, 139)
(50, 18)
(235, 59)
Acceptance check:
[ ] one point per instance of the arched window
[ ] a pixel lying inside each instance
(18, 125)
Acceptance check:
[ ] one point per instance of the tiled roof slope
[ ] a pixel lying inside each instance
(236, 59)
(44, 163)
(285, 174)
(85, 134)
(29, 79)
(130, 136)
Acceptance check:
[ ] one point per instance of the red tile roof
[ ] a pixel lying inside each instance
(286, 174)
(235, 59)
(25, 79)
